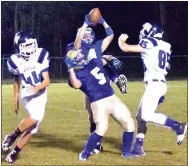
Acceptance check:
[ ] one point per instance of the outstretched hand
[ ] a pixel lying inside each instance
(123, 37)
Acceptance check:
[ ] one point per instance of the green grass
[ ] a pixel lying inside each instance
(65, 129)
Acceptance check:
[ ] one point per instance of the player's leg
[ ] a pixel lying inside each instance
(11, 138)
(146, 113)
(121, 114)
(119, 79)
(25, 138)
(87, 106)
(100, 115)
(36, 109)
(179, 128)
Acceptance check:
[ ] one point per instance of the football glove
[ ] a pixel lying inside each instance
(88, 21)
(116, 64)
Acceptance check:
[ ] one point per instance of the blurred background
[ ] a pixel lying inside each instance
(55, 24)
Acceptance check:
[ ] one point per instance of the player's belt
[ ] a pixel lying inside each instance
(156, 80)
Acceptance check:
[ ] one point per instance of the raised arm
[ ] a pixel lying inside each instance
(109, 32)
(80, 34)
(127, 47)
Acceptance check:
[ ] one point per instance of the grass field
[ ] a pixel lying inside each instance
(65, 129)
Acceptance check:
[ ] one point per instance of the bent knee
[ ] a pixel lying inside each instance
(101, 129)
(130, 125)
(146, 117)
(33, 129)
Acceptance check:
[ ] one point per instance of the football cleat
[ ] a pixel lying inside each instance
(8, 141)
(182, 132)
(83, 156)
(122, 84)
(138, 150)
(98, 149)
(11, 157)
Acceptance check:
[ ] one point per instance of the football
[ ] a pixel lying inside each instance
(95, 15)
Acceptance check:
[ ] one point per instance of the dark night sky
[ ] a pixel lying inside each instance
(123, 17)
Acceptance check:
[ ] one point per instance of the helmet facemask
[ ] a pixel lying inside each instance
(28, 48)
(89, 36)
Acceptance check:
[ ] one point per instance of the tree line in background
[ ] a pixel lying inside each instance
(56, 20)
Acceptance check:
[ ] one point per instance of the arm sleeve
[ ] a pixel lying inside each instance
(44, 59)
(12, 67)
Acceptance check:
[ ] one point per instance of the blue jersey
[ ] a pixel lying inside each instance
(94, 82)
(92, 50)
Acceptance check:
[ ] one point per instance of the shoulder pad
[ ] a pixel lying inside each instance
(43, 53)
(148, 42)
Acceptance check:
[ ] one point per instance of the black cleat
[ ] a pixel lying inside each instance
(122, 84)
(11, 157)
(8, 141)
(181, 134)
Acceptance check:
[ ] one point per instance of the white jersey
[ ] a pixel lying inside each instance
(156, 58)
(30, 71)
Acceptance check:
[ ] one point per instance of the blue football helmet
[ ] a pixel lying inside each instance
(151, 30)
(69, 46)
(76, 58)
(89, 36)
(25, 43)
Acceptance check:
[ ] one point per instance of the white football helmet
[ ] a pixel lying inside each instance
(25, 43)
(151, 30)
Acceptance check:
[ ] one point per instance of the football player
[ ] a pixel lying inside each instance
(155, 54)
(112, 68)
(92, 80)
(30, 69)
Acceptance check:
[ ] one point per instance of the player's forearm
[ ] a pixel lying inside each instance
(80, 35)
(73, 79)
(109, 35)
(16, 92)
(123, 46)
(45, 83)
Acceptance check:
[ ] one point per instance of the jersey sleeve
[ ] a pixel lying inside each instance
(44, 60)
(148, 43)
(12, 67)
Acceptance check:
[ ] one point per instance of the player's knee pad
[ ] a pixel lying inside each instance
(101, 129)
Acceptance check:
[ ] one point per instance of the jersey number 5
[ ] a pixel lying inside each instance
(99, 76)
(163, 58)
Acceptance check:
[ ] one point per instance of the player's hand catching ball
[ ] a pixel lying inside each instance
(88, 21)
(123, 37)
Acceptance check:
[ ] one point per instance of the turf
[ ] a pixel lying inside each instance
(65, 129)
